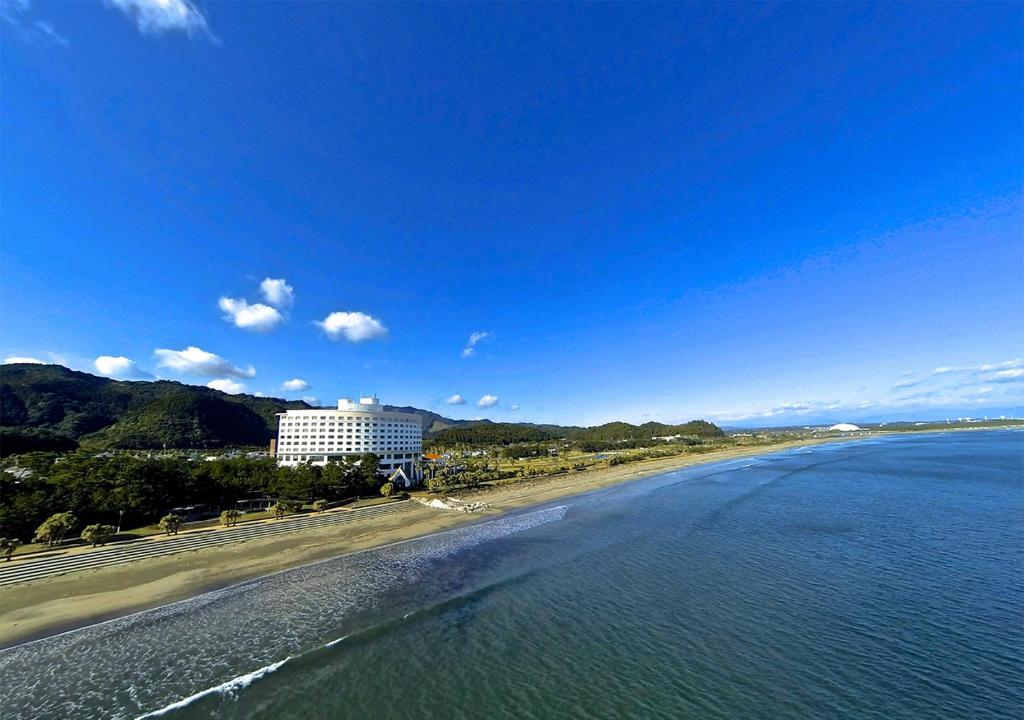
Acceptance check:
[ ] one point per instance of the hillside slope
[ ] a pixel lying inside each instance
(52, 407)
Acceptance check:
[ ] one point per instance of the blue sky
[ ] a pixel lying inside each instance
(759, 214)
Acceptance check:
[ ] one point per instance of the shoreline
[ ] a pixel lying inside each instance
(60, 604)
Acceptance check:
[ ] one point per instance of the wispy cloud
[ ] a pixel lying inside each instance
(947, 386)
(487, 401)
(157, 17)
(310, 400)
(352, 326)
(15, 14)
(119, 367)
(456, 399)
(196, 361)
(474, 339)
(295, 385)
(255, 318)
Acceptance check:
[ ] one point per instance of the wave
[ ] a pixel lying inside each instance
(231, 686)
(334, 642)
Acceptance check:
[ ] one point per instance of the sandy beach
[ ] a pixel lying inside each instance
(44, 607)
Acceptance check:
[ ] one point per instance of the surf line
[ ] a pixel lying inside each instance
(239, 683)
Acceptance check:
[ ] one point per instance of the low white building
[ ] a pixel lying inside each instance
(322, 435)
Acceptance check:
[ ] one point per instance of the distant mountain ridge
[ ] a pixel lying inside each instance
(50, 407)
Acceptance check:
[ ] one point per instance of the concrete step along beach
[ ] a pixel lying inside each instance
(29, 568)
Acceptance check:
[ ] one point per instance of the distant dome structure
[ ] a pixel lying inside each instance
(844, 427)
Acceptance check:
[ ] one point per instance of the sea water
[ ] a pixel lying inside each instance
(880, 579)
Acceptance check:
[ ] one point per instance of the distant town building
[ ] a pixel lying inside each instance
(322, 435)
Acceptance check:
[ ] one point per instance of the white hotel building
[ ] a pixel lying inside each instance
(322, 435)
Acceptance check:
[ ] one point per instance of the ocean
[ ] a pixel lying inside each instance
(875, 579)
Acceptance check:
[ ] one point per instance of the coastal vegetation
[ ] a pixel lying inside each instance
(48, 493)
(53, 530)
(229, 517)
(170, 523)
(8, 546)
(97, 534)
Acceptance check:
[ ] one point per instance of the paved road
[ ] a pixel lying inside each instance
(34, 568)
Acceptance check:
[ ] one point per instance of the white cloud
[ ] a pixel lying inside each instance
(487, 401)
(14, 359)
(119, 367)
(310, 400)
(352, 326)
(226, 385)
(456, 399)
(195, 361)
(471, 344)
(515, 408)
(257, 317)
(277, 292)
(155, 17)
(295, 385)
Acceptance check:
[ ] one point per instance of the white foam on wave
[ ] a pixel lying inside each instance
(332, 643)
(239, 683)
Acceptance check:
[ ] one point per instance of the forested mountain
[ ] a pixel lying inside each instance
(52, 407)
(488, 433)
(616, 431)
(49, 407)
(432, 422)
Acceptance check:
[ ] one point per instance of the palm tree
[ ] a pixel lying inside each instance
(170, 523)
(281, 508)
(55, 527)
(8, 546)
(97, 534)
(230, 517)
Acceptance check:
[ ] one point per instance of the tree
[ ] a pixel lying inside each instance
(97, 534)
(170, 523)
(55, 527)
(230, 517)
(340, 479)
(387, 489)
(8, 546)
(282, 508)
(369, 466)
(319, 506)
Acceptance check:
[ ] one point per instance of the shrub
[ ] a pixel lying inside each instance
(97, 534)
(55, 527)
(170, 523)
(230, 517)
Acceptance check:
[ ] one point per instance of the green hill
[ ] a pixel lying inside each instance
(486, 432)
(49, 407)
(490, 433)
(52, 407)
